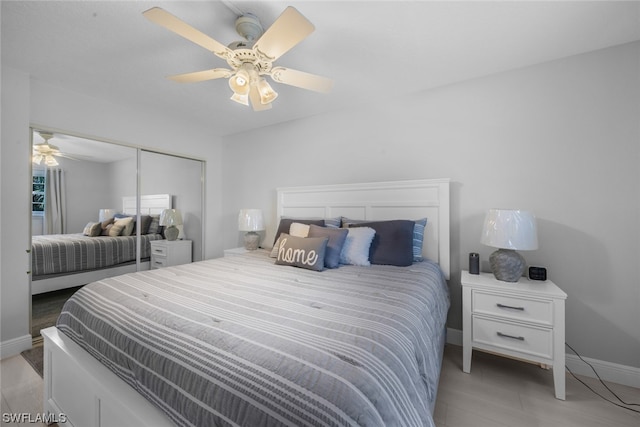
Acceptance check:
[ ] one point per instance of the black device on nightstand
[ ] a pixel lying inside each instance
(474, 263)
(538, 273)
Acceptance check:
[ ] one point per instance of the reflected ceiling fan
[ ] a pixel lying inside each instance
(252, 59)
(47, 152)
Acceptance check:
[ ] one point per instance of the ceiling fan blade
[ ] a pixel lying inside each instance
(301, 79)
(200, 76)
(254, 97)
(165, 19)
(288, 30)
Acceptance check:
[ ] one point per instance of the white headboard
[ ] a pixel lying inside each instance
(378, 201)
(152, 204)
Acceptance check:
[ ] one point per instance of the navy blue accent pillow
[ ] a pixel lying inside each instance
(336, 236)
(392, 243)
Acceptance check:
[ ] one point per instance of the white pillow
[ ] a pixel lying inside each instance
(356, 246)
(295, 229)
(122, 227)
(298, 229)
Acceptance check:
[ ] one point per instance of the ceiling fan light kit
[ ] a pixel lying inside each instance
(252, 59)
(45, 151)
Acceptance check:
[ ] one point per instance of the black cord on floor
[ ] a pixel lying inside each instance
(603, 383)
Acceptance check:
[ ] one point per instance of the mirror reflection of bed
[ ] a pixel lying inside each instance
(83, 179)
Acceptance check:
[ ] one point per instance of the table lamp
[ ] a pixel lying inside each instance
(104, 214)
(251, 221)
(171, 218)
(509, 230)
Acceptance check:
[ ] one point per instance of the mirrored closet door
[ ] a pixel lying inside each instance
(89, 198)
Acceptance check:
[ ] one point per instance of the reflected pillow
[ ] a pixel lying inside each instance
(92, 229)
(121, 227)
(106, 226)
(303, 252)
(154, 225)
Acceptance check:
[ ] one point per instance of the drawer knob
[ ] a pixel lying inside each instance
(500, 334)
(510, 307)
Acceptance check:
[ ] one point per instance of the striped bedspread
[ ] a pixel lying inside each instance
(242, 341)
(69, 253)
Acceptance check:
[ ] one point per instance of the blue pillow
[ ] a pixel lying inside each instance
(336, 236)
(418, 234)
(392, 243)
(418, 238)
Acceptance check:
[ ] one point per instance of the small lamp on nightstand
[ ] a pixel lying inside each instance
(105, 214)
(251, 221)
(509, 230)
(171, 218)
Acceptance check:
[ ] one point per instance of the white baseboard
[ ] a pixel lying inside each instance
(15, 346)
(613, 372)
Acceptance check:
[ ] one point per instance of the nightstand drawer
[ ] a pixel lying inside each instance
(513, 307)
(158, 262)
(158, 249)
(510, 336)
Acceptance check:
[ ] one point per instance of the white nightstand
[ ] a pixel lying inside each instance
(165, 253)
(235, 251)
(524, 320)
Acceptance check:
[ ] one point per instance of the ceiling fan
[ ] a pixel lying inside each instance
(47, 152)
(251, 59)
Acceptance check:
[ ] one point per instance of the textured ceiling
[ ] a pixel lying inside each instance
(373, 50)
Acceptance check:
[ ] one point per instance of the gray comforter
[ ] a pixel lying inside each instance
(241, 341)
(71, 253)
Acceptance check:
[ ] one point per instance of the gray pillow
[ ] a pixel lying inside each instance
(92, 229)
(392, 243)
(304, 252)
(336, 236)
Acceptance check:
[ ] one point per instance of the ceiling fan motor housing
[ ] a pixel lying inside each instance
(249, 27)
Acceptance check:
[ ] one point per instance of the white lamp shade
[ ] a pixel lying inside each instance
(105, 214)
(170, 217)
(250, 220)
(510, 229)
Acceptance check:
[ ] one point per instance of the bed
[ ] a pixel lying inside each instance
(69, 260)
(244, 340)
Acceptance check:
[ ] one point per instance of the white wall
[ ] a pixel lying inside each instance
(25, 102)
(86, 183)
(560, 139)
(15, 213)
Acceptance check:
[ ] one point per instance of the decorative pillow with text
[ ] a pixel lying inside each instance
(304, 252)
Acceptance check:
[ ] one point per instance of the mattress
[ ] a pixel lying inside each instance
(242, 341)
(71, 253)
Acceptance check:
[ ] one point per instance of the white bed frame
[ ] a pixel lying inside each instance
(149, 204)
(90, 395)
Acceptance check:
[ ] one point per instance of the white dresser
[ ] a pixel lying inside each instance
(524, 320)
(165, 253)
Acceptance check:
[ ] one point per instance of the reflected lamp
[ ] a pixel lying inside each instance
(171, 218)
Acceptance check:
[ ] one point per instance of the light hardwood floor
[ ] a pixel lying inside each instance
(497, 393)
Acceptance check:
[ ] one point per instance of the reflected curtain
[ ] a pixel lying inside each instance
(55, 215)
